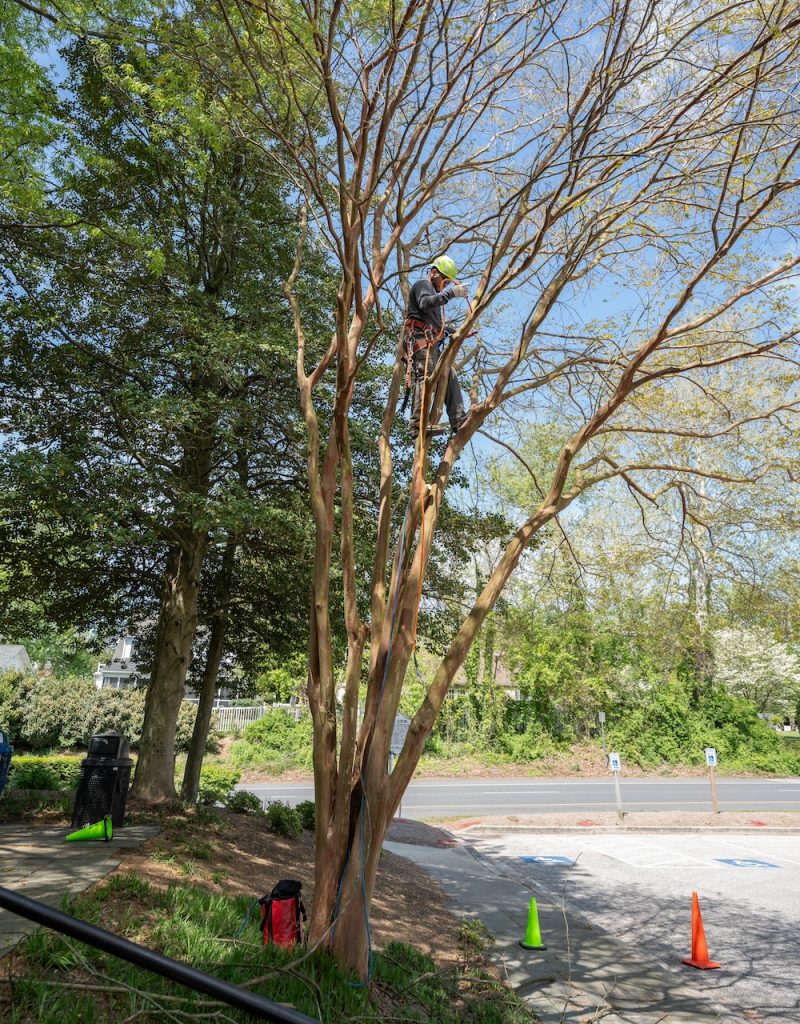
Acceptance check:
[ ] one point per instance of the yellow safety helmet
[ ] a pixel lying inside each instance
(446, 267)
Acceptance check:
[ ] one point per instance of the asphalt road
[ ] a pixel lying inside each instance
(639, 889)
(464, 798)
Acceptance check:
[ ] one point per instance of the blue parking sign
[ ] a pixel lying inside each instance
(547, 859)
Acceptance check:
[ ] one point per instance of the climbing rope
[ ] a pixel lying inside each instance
(423, 415)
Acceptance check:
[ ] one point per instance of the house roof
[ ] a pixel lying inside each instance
(115, 667)
(14, 658)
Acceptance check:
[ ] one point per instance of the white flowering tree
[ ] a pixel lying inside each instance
(753, 664)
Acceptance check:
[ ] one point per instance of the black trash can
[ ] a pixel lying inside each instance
(104, 781)
(6, 750)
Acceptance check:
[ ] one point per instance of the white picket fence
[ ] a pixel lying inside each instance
(234, 719)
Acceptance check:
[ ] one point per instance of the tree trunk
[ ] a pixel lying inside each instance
(350, 938)
(208, 687)
(177, 623)
(350, 943)
(699, 552)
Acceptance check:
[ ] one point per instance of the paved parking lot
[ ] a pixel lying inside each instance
(639, 889)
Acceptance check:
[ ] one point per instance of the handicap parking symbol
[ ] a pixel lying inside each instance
(737, 862)
(553, 859)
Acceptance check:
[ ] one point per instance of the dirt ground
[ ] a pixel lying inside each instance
(240, 857)
(637, 820)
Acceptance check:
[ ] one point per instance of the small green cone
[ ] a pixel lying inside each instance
(100, 830)
(533, 936)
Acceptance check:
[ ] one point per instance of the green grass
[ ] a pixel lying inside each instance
(199, 927)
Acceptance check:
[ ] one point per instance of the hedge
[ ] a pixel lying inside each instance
(45, 712)
(27, 771)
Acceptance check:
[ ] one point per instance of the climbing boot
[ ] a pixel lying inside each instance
(459, 423)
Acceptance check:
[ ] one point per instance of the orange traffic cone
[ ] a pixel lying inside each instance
(699, 957)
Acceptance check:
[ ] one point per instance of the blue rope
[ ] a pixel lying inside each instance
(246, 919)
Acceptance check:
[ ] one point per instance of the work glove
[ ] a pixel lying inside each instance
(459, 291)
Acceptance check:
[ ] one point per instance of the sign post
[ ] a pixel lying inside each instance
(615, 763)
(711, 761)
(601, 718)
(399, 733)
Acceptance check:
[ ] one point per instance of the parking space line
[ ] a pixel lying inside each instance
(638, 853)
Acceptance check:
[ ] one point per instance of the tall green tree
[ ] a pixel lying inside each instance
(156, 336)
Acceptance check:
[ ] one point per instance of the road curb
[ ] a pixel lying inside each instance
(622, 830)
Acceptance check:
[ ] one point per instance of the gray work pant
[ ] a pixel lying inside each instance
(453, 400)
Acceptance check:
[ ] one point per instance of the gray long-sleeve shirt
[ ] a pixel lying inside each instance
(426, 304)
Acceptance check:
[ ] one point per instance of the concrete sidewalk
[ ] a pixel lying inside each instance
(37, 862)
(585, 975)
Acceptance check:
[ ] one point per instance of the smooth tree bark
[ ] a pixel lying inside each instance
(554, 152)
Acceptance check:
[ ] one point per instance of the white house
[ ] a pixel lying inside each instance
(122, 670)
(14, 658)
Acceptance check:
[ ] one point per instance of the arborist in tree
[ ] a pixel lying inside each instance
(425, 331)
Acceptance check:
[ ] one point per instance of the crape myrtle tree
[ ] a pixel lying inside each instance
(553, 151)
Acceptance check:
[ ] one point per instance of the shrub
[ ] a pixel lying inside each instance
(50, 712)
(34, 776)
(276, 741)
(116, 711)
(217, 784)
(474, 938)
(243, 802)
(13, 686)
(530, 745)
(123, 711)
(56, 712)
(64, 771)
(183, 731)
(306, 811)
(673, 723)
(283, 820)
(278, 730)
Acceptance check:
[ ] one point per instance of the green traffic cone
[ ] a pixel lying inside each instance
(533, 936)
(100, 830)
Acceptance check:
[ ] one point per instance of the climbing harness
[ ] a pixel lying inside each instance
(418, 335)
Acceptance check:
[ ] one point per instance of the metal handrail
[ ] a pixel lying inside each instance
(150, 960)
